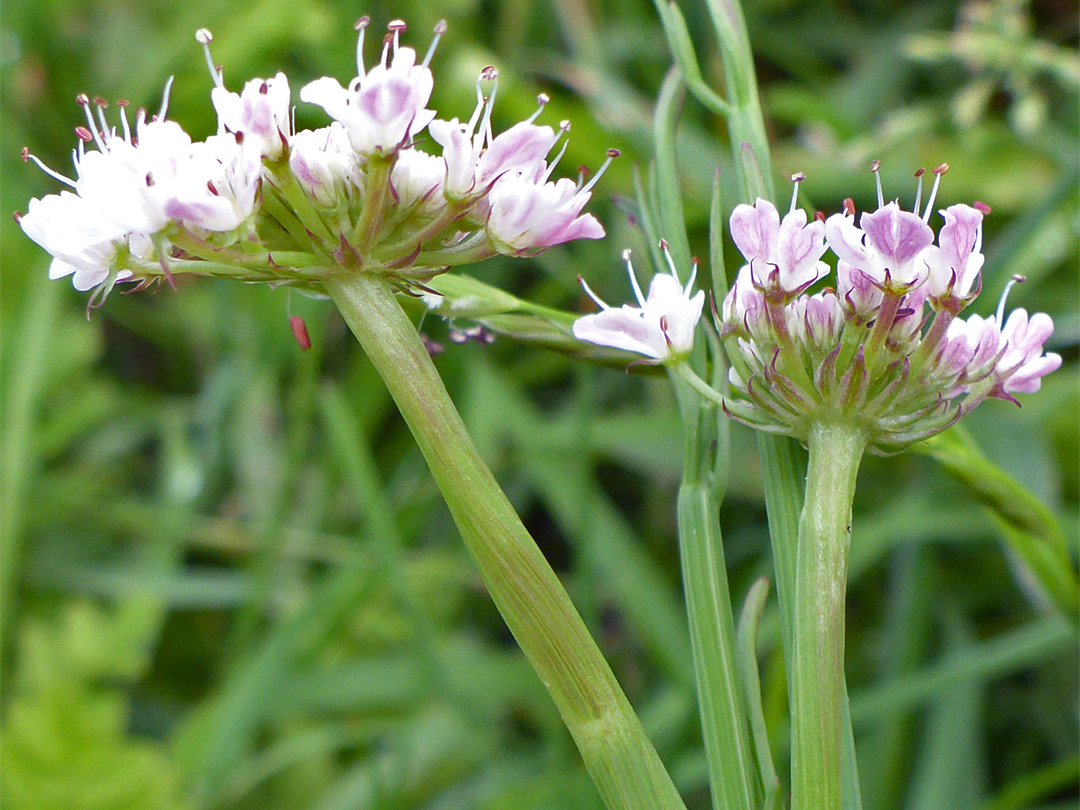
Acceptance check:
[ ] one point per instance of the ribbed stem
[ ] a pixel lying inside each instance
(817, 671)
(618, 755)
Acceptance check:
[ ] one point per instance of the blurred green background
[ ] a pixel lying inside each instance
(228, 580)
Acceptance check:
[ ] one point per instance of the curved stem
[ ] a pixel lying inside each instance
(817, 671)
(617, 753)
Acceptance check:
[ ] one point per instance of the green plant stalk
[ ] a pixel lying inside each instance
(616, 751)
(708, 605)
(817, 669)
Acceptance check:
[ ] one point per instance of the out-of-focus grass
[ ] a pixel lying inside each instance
(228, 580)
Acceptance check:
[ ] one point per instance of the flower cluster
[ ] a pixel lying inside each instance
(259, 201)
(884, 349)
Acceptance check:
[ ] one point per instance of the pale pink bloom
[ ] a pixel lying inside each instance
(954, 263)
(382, 108)
(324, 163)
(889, 241)
(782, 254)
(529, 215)
(816, 320)
(262, 112)
(661, 327)
(744, 305)
(1023, 365)
(417, 179)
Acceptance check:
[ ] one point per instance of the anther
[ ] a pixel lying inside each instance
(264, 88)
(490, 73)
(84, 134)
(17, 216)
(82, 99)
(939, 172)
(362, 23)
(212, 188)
(981, 207)
(819, 216)
(203, 36)
(614, 153)
(796, 178)
(25, 154)
(440, 27)
(849, 207)
(100, 101)
(396, 26)
(122, 102)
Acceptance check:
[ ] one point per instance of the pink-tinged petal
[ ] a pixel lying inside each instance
(519, 147)
(1028, 379)
(846, 240)
(755, 228)
(960, 234)
(327, 93)
(799, 247)
(897, 235)
(621, 328)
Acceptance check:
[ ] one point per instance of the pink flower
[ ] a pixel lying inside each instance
(262, 112)
(782, 254)
(383, 108)
(1023, 364)
(889, 242)
(954, 263)
(528, 215)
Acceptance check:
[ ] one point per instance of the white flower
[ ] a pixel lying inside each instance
(383, 108)
(324, 163)
(417, 179)
(661, 327)
(262, 112)
(82, 242)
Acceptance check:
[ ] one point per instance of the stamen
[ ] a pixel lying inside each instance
(588, 291)
(122, 104)
(53, 174)
(491, 74)
(611, 155)
(665, 248)
(939, 171)
(204, 38)
(541, 100)
(395, 27)
(694, 262)
(633, 279)
(84, 102)
(440, 29)
(165, 98)
(17, 217)
(361, 25)
(918, 190)
(849, 207)
(875, 167)
(1000, 315)
(582, 173)
(796, 178)
(819, 216)
(83, 134)
(385, 49)
(105, 131)
(982, 208)
(564, 127)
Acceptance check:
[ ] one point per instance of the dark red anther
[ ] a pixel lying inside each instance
(18, 217)
(212, 188)
(363, 22)
(25, 154)
(122, 102)
(613, 153)
(84, 134)
(300, 332)
(100, 101)
(941, 169)
(82, 99)
(849, 207)
(583, 170)
(919, 173)
(264, 88)
(981, 207)
(149, 179)
(819, 216)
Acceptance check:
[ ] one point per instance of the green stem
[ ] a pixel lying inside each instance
(708, 604)
(817, 671)
(616, 751)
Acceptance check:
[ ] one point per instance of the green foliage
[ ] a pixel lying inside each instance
(202, 601)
